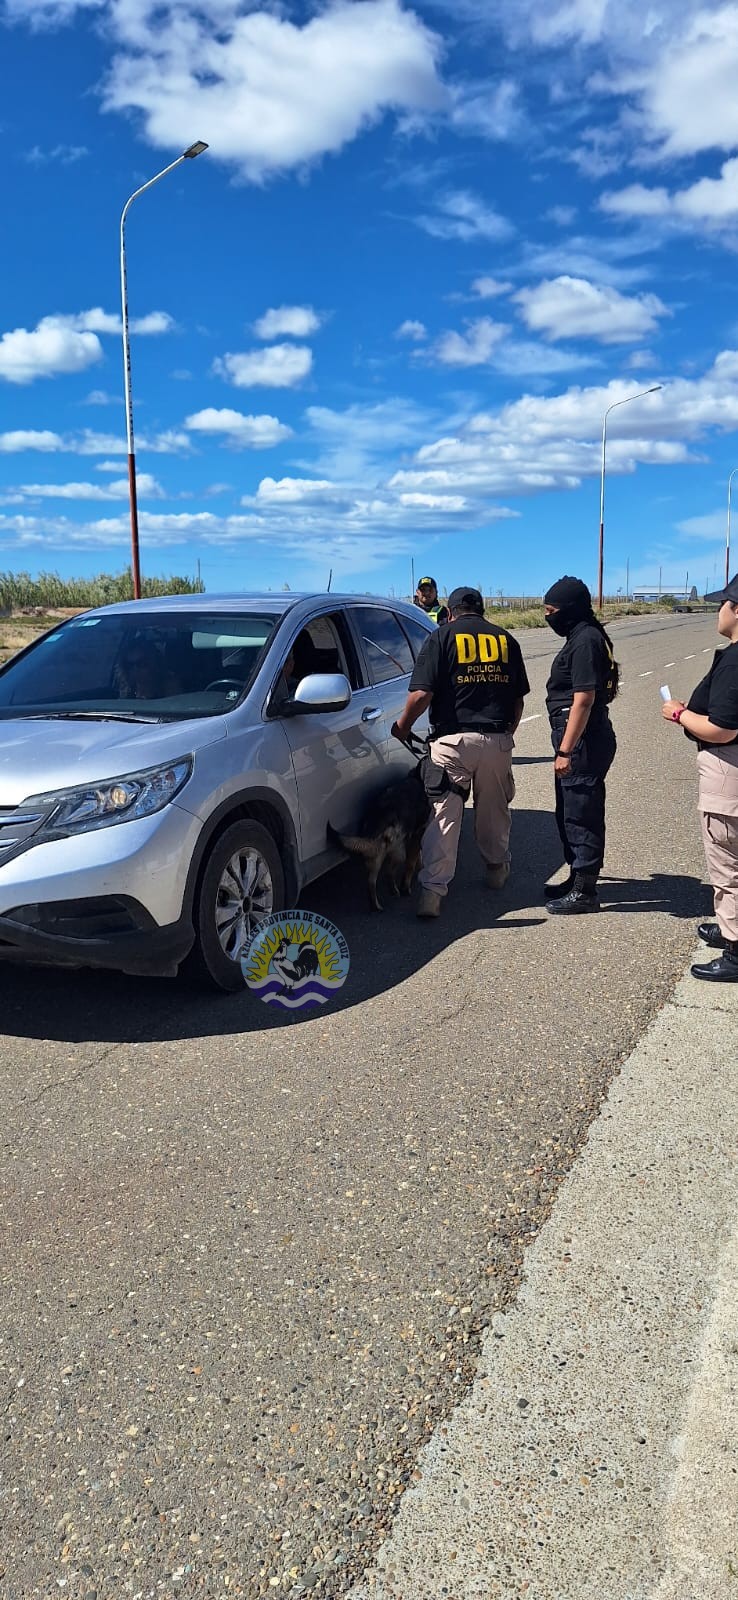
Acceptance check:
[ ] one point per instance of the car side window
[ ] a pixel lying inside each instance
(418, 635)
(388, 654)
(322, 645)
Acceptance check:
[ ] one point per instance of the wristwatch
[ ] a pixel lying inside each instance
(676, 716)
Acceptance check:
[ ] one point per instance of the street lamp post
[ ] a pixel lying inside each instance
(727, 531)
(625, 402)
(187, 155)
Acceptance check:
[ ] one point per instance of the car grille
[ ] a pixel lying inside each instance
(18, 825)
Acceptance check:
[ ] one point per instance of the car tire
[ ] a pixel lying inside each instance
(244, 858)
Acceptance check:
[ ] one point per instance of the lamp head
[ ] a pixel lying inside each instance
(195, 149)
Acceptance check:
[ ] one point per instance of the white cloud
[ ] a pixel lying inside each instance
(48, 13)
(618, 259)
(294, 491)
(562, 216)
(489, 288)
(62, 344)
(488, 344)
(463, 215)
(688, 96)
(271, 95)
(239, 431)
(410, 329)
(46, 351)
(64, 154)
(277, 366)
(435, 502)
(100, 397)
(98, 321)
(147, 487)
(298, 322)
(89, 443)
(520, 358)
(642, 360)
(490, 109)
(171, 441)
(710, 527)
(355, 443)
(574, 308)
(636, 201)
(19, 439)
(553, 442)
(709, 201)
(473, 348)
(674, 64)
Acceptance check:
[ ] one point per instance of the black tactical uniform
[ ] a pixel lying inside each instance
(584, 664)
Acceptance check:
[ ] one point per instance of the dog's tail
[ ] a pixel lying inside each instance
(354, 843)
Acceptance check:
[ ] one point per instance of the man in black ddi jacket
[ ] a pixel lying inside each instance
(471, 675)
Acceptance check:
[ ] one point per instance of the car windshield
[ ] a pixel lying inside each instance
(137, 667)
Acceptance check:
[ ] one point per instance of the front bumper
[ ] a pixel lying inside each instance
(113, 898)
(110, 932)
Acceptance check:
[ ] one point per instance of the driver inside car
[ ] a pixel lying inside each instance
(142, 674)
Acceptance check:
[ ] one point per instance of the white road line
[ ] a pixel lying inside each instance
(645, 674)
(535, 718)
(689, 658)
(670, 663)
(707, 650)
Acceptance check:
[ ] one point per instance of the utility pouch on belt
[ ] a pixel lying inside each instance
(437, 782)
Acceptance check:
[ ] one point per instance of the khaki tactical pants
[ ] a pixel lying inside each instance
(482, 764)
(720, 839)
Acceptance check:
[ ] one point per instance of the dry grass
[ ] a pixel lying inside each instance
(534, 618)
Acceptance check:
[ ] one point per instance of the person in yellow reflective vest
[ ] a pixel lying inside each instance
(426, 596)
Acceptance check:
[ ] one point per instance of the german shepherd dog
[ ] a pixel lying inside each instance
(391, 831)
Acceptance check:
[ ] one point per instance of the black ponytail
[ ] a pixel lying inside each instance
(612, 685)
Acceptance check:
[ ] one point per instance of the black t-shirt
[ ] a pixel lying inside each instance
(475, 673)
(716, 696)
(584, 663)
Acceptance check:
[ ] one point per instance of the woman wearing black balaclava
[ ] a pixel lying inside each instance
(583, 681)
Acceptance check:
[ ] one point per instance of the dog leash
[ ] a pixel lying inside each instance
(416, 745)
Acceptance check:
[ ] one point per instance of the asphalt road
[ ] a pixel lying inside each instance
(245, 1257)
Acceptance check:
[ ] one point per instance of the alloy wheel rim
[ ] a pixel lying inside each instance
(245, 896)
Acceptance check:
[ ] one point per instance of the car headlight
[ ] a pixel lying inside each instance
(125, 799)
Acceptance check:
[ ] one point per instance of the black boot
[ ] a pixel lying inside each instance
(724, 969)
(580, 899)
(556, 891)
(709, 933)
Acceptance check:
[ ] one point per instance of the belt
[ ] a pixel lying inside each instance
(597, 714)
(489, 727)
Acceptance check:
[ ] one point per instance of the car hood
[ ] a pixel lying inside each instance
(38, 757)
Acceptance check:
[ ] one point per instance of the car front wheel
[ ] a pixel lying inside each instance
(242, 882)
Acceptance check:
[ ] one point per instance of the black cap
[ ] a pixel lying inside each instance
(730, 592)
(466, 599)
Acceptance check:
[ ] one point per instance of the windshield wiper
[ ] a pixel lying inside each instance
(86, 716)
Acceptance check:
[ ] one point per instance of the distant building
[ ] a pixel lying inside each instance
(653, 594)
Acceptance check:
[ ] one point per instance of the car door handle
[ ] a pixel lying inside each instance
(371, 713)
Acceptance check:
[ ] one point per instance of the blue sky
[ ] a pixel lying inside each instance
(381, 318)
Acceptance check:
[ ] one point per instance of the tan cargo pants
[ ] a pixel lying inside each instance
(720, 839)
(482, 763)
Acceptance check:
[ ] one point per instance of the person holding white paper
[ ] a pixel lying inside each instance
(710, 720)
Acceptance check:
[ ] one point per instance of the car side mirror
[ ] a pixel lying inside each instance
(319, 691)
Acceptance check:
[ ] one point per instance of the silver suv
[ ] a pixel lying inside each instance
(168, 767)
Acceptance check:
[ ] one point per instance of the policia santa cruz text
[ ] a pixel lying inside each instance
(471, 675)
